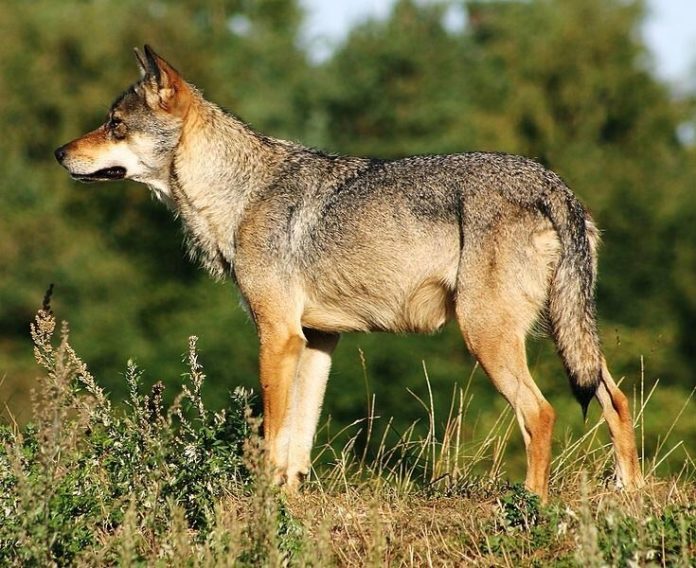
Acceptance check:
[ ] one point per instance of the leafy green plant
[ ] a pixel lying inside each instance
(74, 474)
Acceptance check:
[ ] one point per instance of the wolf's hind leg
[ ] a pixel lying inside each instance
(307, 397)
(500, 292)
(616, 412)
(502, 356)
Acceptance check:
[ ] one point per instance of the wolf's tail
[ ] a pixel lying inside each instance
(571, 304)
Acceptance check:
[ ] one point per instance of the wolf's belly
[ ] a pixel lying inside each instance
(423, 308)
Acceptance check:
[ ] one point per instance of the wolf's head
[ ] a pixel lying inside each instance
(141, 131)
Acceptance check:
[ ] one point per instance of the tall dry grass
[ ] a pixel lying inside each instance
(92, 483)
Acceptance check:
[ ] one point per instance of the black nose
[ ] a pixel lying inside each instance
(60, 153)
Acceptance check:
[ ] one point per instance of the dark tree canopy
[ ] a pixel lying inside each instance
(569, 83)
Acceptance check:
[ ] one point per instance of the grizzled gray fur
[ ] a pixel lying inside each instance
(320, 245)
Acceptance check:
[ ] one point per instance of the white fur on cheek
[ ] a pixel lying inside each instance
(153, 167)
(108, 157)
(121, 155)
(138, 155)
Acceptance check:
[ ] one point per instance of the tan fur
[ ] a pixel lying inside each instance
(281, 348)
(616, 412)
(429, 306)
(510, 285)
(307, 396)
(320, 245)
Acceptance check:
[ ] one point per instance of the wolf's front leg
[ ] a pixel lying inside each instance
(280, 350)
(307, 397)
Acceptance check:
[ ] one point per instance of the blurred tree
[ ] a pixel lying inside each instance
(114, 254)
(399, 87)
(567, 82)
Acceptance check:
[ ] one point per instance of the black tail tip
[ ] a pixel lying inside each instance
(584, 395)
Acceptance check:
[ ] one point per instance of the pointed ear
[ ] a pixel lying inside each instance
(173, 94)
(142, 64)
(152, 62)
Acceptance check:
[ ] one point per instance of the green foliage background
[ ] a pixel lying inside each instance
(569, 83)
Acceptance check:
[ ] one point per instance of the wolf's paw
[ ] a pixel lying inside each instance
(294, 481)
(280, 477)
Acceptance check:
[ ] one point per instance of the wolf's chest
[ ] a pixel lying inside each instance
(209, 235)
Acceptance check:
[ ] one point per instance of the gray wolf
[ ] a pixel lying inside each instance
(321, 244)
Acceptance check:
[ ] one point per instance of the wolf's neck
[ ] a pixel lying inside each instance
(220, 164)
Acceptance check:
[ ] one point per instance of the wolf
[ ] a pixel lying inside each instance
(321, 244)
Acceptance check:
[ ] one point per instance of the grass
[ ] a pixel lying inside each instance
(87, 483)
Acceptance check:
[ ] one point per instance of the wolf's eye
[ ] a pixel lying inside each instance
(117, 128)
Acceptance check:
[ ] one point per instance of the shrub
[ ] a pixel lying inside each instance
(70, 478)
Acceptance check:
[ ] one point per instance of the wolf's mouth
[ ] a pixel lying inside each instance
(116, 172)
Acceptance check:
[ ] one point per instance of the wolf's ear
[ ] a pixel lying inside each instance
(142, 64)
(165, 87)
